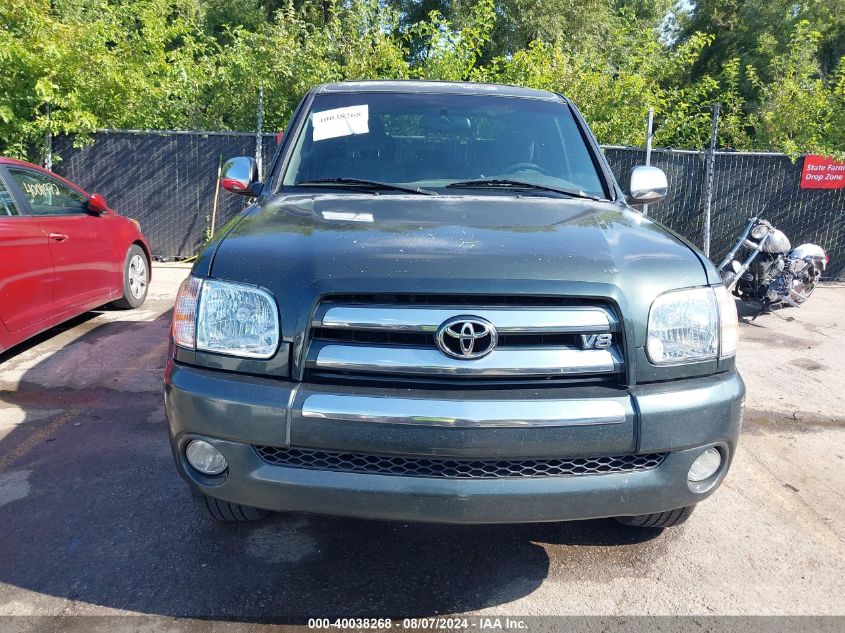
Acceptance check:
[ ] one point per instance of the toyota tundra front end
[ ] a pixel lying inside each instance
(440, 307)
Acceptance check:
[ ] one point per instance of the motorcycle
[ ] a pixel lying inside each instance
(773, 272)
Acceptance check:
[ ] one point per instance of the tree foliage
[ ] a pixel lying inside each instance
(777, 68)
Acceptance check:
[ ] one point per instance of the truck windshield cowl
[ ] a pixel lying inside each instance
(435, 142)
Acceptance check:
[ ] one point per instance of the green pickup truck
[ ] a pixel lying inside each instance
(440, 307)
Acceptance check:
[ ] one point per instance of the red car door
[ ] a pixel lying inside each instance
(86, 269)
(26, 270)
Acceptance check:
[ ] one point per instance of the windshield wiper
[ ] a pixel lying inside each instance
(506, 183)
(372, 184)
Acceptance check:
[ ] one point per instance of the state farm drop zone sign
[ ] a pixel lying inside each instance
(821, 172)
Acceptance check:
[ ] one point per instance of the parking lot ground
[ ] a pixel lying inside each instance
(94, 519)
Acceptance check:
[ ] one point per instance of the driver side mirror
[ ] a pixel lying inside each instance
(240, 176)
(97, 204)
(648, 185)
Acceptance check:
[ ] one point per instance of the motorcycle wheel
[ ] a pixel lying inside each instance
(806, 288)
(808, 291)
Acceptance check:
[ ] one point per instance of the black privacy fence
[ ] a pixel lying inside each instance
(167, 181)
(744, 184)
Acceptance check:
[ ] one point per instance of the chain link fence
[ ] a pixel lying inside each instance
(744, 184)
(682, 208)
(167, 181)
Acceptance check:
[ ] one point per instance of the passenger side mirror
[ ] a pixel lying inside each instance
(97, 204)
(240, 175)
(648, 185)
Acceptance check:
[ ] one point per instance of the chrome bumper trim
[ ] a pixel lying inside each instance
(506, 320)
(464, 413)
(544, 361)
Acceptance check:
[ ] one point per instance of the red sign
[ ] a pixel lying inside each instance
(821, 172)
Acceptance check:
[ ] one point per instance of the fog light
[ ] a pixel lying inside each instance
(205, 458)
(705, 465)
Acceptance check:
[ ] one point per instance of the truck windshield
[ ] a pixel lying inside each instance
(444, 142)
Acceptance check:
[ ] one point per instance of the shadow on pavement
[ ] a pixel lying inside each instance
(28, 344)
(750, 312)
(102, 518)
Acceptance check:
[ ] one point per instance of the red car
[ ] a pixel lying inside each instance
(62, 252)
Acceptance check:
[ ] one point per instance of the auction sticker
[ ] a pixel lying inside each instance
(341, 122)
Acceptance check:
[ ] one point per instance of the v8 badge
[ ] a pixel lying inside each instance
(596, 341)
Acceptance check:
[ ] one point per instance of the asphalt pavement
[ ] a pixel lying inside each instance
(95, 521)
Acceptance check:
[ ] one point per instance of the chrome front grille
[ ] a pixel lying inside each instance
(539, 339)
(455, 468)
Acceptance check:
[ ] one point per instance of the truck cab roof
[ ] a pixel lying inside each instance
(437, 87)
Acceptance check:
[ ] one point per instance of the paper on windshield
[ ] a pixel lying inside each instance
(341, 122)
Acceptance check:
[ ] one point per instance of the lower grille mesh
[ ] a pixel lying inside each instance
(455, 468)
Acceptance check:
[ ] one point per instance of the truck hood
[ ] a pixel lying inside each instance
(302, 247)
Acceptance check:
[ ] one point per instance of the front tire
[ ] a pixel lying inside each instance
(136, 279)
(658, 519)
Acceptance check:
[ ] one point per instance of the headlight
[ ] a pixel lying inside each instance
(759, 232)
(226, 318)
(691, 325)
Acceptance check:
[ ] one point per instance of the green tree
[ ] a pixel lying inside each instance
(758, 31)
(799, 109)
(103, 65)
(777, 68)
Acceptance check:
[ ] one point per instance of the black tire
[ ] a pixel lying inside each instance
(807, 292)
(230, 512)
(133, 294)
(658, 519)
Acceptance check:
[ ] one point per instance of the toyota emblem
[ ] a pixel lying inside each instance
(466, 337)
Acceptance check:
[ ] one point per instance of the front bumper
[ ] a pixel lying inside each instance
(236, 413)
